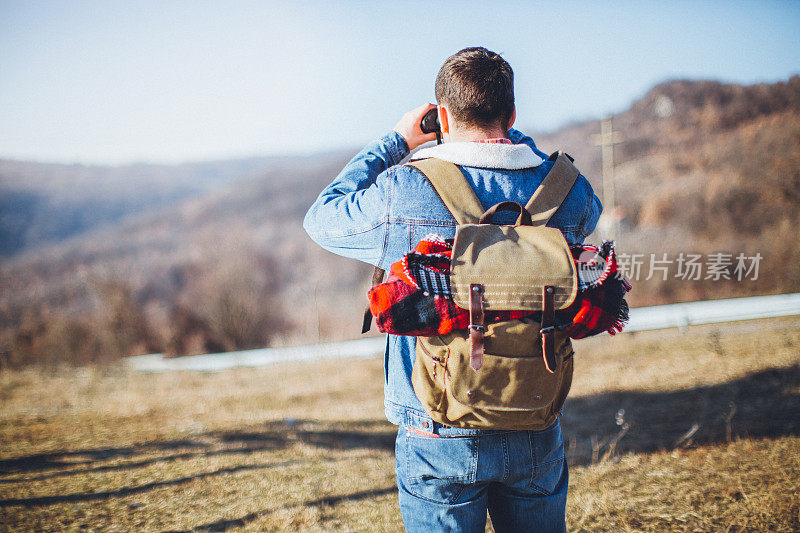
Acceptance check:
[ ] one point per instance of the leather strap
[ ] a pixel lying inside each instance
(450, 184)
(377, 279)
(476, 327)
(548, 327)
(553, 190)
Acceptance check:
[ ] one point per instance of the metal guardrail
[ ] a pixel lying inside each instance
(713, 311)
(359, 349)
(642, 319)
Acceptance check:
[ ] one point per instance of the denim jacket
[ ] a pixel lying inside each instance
(377, 210)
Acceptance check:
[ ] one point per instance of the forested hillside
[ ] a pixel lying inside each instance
(705, 168)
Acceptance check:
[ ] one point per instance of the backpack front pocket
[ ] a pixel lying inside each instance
(504, 383)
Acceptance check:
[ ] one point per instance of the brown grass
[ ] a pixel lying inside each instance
(747, 485)
(709, 440)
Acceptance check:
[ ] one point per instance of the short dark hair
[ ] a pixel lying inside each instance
(477, 86)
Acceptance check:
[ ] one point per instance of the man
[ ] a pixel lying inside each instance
(377, 210)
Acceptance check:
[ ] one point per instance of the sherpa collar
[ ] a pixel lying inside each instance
(483, 155)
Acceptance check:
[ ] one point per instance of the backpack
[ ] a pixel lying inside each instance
(509, 374)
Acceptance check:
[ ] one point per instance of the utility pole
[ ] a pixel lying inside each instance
(606, 141)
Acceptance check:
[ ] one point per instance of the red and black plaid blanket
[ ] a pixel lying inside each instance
(600, 305)
(416, 299)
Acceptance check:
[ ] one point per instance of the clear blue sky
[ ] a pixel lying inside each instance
(121, 81)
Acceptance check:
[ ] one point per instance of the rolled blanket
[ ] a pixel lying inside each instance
(600, 305)
(416, 298)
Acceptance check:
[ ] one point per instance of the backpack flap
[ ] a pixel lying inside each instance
(513, 264)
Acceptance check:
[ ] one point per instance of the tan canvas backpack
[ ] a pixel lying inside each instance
(513, 374)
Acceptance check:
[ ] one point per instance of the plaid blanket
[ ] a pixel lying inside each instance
(600, 305)
(416, 298)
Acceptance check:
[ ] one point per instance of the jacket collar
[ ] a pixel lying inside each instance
(483, 155)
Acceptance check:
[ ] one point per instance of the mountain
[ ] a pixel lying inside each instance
(47, 203)
(704, 168)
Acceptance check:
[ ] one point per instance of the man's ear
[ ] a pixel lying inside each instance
(444, 119)
(512, 119)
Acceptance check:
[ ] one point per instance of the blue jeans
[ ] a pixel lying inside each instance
(447, 483)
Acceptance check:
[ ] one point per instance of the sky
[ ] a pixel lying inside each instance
(116, 82)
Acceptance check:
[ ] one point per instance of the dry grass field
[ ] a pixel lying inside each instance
(666, 431)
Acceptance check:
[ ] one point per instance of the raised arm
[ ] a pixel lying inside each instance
(350, 216)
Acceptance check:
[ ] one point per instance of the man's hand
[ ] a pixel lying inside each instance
(409, 128)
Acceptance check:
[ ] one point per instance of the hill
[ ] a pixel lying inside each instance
(46, 203)
(705, 168)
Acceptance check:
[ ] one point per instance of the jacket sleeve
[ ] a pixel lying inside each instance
(350, 216)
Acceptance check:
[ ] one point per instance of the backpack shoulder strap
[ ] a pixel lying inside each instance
(554, 189)
(450, 184)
